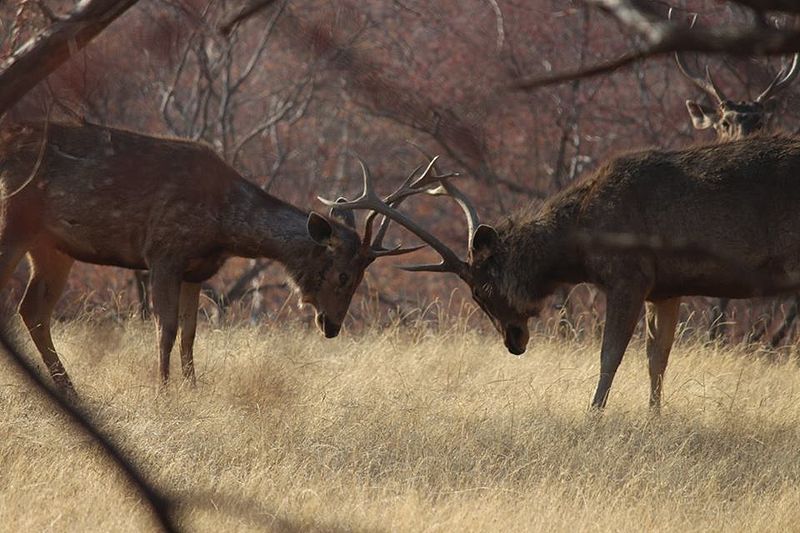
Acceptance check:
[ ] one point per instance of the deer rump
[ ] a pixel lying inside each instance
(738, 200)
(107, 196)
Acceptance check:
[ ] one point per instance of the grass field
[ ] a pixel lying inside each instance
(405, 430)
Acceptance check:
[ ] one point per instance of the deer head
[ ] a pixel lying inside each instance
(731, 119)
(483, 270)
(339, 261)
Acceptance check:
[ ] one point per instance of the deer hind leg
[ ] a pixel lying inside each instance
(662, 319)
(190, 299)
(49, 271)
(10, 256)
(142, 280)
(623, 307)
(166, 287)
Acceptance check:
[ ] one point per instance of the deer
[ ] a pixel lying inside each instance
(734, 200)
(732, 120)
(729, 119)
(84, 192)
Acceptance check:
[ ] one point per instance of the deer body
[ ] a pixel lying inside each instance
(738, 199)
(735, 203)
(731, 120)
(113, 197)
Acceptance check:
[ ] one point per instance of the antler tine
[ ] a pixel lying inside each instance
(707, 85)
(448, 189)
(377, 244)
(715, 91)
(410, 187)
(473, 220)
(437, 267)
(369, 200)
(397, 250)
(782, 80)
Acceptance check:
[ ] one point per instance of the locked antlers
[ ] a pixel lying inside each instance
(429, 182)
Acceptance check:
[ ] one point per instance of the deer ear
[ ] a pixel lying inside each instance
(345, 216)
(702, 117)
(319, 229)
(484, 242)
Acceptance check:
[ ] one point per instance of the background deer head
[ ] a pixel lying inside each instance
(735, 119)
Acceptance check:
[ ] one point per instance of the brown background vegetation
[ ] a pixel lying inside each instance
(288, 94)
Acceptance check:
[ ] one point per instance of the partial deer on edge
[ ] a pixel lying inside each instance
(732, 120)
(730, 200)
(114, 197)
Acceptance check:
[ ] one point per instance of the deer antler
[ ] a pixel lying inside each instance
(410, 187)
(446, 188)
(782, 80)
(705, 84)
(386, 207)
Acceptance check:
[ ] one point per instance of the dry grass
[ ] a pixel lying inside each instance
(405, 430)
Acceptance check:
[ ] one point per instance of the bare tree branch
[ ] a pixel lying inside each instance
(661, 36)
(159, 505)
(41, 55)
(248, 10)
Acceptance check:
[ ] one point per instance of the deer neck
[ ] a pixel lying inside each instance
(256, 224)
(540, 253)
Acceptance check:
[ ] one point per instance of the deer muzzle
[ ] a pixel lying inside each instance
(516, 339)
(326, 326)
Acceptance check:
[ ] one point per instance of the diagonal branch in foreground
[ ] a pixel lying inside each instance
(662, 36)
(158, 504)
(41, 55)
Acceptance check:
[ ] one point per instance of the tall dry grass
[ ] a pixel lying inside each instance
(405, 429)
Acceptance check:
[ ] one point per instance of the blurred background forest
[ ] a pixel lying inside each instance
(289, 94)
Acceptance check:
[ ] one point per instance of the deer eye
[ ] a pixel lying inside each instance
(343, 278)
(725, 123)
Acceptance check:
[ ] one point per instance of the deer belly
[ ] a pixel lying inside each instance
(728, 281)
(201, 269)
(91, 243)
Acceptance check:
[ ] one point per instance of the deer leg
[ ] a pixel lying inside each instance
(662, 318)
(10, 255)
(166, 286)
(623, 307)
(719, 319)
(190, 298)
(49, 271)
(142, 280)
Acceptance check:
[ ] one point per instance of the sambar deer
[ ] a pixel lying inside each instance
(113, 197)
(735, 200)
(732, 120)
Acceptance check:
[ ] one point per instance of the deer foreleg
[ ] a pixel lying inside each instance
(623, 307)
(166, 286)
(49, 271)
(662, 318)
(142, 280)
(190, 297)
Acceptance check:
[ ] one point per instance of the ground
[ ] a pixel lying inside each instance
(404, 429)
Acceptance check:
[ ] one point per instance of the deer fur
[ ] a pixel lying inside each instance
(112, 197)
(738, 199)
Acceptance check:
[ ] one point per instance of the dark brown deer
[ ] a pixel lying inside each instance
(736, 200)
(112, 197)
(732, 120)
